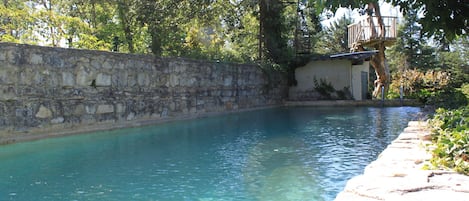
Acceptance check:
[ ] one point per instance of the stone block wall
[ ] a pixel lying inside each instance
(45, 86)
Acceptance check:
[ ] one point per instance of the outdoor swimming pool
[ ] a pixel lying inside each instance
(294, 153)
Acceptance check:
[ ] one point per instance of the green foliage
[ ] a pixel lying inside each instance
(97, 25)
(456, 61)
(323, 87)
(56, 23)
(243, 34)
(15, 22)
(448, 97)
(333, 5)
(218, 30)
(414, 81)
(273, 27)
(328, 92)
(465, 90)
(86, 41)
(438, 72)
(393, 92)
(344, 94)
(451, 137)
(434, 88)
(442, 18)
(334, 39)
(237, 31)
(410, 50)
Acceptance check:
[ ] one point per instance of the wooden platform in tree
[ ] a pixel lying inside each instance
(367, 32)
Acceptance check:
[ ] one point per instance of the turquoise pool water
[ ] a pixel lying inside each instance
(297, 153)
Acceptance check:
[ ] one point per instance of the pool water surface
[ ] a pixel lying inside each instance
(287, 153)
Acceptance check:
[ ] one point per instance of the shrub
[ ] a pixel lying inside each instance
(344, 94)
(324, 88)
(415, 81)
(465, 90)
(435, 88)
(449, 98)
(328, 92)
(451, 136)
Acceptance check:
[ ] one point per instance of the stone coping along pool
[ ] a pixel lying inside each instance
(398, 173)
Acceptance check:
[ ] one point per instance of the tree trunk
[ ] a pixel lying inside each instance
(271, 30)
(261, 25)
(93, 15)
(379, 61)
(156, 42)
(123, 8)
(381, 67)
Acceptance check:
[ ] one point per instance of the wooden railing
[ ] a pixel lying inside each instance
(368, 29)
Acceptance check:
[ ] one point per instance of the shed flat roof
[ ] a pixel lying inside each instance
(353, 56)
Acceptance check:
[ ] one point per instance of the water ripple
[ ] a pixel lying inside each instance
(276, 154)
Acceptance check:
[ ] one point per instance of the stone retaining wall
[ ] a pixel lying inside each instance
(42, 87)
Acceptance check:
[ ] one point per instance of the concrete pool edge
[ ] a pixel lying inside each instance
(398, 174)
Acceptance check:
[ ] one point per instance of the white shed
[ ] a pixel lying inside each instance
(348, 71)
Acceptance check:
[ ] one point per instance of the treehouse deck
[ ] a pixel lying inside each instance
(368, 32)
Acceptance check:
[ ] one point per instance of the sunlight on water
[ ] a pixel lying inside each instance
(275, 154)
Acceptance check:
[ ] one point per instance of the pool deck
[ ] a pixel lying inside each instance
(398, 173)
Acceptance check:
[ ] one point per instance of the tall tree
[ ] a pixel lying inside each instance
(334, 38)
(410, 50)
(242, 30)
(166, 19)
(128, 19)
(16, 22)
(272, 26)
(86, 23)
(455, 60)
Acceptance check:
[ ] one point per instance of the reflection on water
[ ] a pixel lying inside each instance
(275, 154)
(275, 171)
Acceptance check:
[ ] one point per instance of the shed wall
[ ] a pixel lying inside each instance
(335, 72)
